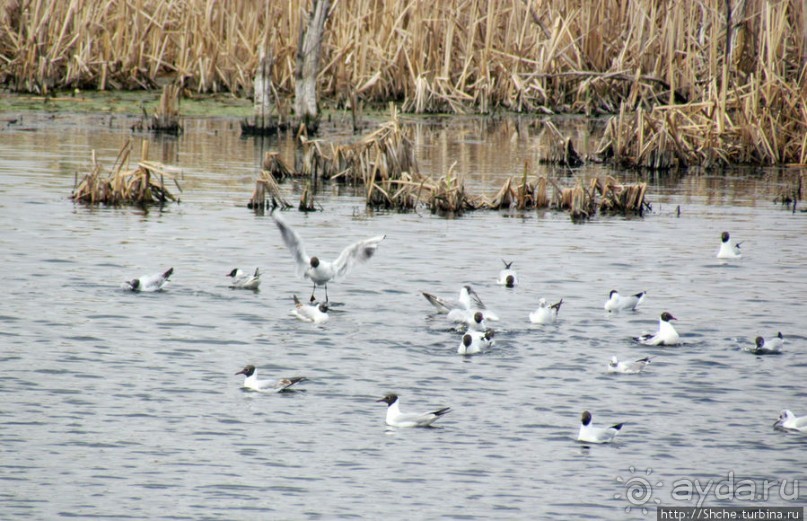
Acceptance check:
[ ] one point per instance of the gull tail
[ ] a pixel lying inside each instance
(440, 412)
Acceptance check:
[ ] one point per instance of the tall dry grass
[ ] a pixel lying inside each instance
(581, 56)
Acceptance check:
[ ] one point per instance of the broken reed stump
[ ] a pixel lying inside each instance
(307, 199)
(166, 119)
(274, 164)
(266, 194)
(142, 186)
(562, 150)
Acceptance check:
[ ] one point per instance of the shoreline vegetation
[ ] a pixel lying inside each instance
(683, 84)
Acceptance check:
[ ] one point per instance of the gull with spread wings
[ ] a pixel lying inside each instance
(319, 271)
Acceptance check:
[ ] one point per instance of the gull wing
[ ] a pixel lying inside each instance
(294, 244)
(357, 252)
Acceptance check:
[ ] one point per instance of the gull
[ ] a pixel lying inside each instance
(396, 418)
(149, 283)
(507, 277)
(474, 342)
(316, 313)
(789, 422)
(473, 320)
(545, 313)
(467, 300)
(320, 271)
(666, 334)
(772, 346)
(727, 251)
(636, 366)
(591, 434)
(273, 386)
(243, 280)
(617, 302)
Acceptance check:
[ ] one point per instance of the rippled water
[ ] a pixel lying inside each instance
(120, 405)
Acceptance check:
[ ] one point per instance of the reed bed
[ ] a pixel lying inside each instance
(449, 56)
(382, 155)
(143, 185)
(758, 124)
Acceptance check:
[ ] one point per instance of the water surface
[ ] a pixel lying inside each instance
(120, 405)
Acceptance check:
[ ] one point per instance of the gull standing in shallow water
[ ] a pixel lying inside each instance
(319, 271)
(149, 283)
(316, 313)
(591, 434)
(545, 313)
(772, 346)
(727, 251)
(243, 280)
(789, 422)
(396, 418)
(507, 277)
(617, 302)
(665, 336)
(634, 367)
(271, 386)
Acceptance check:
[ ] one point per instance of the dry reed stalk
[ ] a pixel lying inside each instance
(267, 192)
(143, 185)
(166, 119)
(276, 167)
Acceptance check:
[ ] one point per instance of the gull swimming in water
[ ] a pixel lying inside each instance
(316, 313)
(320, 271)
(396, 418)
(149, 283)
(508, 276)
(727, 251)
(666, 334)
(772, 346)
(473, 320)
(633, 367)
(545, 313)
(617, 302)
(789, 422)
(591, 434)
(474, 342)
(243, 280)
(273, 386)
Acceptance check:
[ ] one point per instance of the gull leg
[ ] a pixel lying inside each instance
(313, 298)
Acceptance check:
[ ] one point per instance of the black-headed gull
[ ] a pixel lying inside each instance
(508, 276)
(789, 422)
(467, 300)
(320, 271)
(617, 302)
(631, 367)
(243, 280)
(545, 313)
(591, 434)
(666, 334)
(316, 313)
(772, 346)
(473, 320)
(272, 386)
(396, 418)
(474, 342)
(149, 283)
(727, 250)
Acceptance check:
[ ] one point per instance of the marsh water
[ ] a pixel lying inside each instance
(115, 405)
